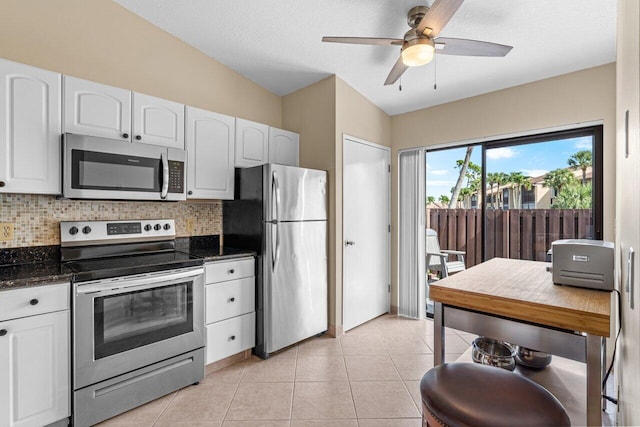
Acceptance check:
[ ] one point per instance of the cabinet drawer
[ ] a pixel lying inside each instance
(221, 271)
(229, 299)
(230, 336)
(34, 300)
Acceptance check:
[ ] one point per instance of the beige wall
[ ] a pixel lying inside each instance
(583, 96)
(627, 370)
(322, 113)
(101, 41)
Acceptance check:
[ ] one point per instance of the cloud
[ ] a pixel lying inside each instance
(534, 172)
(440, 183)
(439, 172)
(583, 144)
(501, 153)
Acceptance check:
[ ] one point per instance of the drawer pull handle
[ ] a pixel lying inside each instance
(3, 332)
(232, 338)
(34, 301)
(232, 299)
(232, 271)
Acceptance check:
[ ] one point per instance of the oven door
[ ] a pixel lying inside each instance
(126, 323)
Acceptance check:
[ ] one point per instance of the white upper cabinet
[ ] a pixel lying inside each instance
(158, 121)
(30, 129)
(96, 109)
(210, 159)
(252, 143)
(284, 147)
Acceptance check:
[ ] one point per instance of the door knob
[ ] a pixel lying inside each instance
(349, 243)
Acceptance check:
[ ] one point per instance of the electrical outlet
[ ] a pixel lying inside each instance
(6, 231)
(191, 225)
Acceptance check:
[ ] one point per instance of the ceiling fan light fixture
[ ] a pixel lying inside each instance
(418, 52)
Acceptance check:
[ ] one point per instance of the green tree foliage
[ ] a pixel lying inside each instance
(581, 160)
(431, 200)
(558, 178)
(444, 199)
(573, 196)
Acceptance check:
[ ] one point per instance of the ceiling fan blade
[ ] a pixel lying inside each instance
(378, 41)
(398, 69)
(466, 47)
(437, 17)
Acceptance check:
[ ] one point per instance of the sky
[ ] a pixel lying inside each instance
(530, 159)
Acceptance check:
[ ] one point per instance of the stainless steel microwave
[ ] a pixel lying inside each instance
(101, 168)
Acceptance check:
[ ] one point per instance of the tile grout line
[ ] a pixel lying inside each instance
(175, 393)
(224, 418)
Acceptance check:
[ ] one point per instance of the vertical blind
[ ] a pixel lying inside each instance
(411, 226)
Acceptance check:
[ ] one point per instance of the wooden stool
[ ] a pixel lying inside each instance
(469, 394)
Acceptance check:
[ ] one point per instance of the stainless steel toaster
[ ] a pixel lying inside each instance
(584, 263)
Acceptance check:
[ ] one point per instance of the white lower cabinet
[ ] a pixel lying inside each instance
(34, 356)
(230, 319)
(230, 336)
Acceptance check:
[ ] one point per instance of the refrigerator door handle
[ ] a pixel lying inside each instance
(275, 197)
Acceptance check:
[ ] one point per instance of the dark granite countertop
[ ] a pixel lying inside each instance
(36, 274)
(40, 265)
(209, 249)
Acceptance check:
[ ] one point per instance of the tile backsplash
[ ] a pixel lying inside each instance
(37, 217)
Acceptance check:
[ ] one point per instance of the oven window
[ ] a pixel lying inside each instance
(106, 171)
(134, 319)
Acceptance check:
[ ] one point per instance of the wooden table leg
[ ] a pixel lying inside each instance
(438, 334)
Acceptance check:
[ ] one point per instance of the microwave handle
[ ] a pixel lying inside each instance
(165, 175)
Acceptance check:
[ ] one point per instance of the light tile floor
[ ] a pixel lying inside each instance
(368, 377)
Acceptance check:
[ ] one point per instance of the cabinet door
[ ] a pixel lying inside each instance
(283, 147)
(158, 121)
(29, 129)
(210, 155)
(252, 143)
(34, 370)
(95, 109)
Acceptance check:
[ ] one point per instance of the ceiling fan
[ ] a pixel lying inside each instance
(421, 42)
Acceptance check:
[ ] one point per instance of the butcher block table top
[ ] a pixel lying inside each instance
(524, 290)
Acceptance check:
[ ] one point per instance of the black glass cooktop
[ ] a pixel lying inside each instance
(115, 266)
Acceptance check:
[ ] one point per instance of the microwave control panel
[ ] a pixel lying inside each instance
(176, 177)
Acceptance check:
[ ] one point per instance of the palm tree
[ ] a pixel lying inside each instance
(502, 179)
(444, 199)
(581, 160)
(519, 181)
(558, 178)
(492, 178)
(430, 200)
(463, 172)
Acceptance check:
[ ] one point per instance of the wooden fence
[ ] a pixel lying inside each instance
(512, 233)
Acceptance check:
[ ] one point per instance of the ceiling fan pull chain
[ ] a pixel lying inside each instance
(435, 72)
(400, 85)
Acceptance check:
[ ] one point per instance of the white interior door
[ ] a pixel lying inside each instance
(366, 221)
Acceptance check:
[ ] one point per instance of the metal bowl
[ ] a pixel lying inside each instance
(488, 351)
(532, 358)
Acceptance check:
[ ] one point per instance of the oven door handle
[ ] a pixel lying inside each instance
(141, 283)
(165, 175)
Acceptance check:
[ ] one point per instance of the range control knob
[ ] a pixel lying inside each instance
(167, 226)
(86, 229)
(147, 227)
(73, 231)
(157, 227)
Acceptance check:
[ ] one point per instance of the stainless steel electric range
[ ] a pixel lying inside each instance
(137, 309)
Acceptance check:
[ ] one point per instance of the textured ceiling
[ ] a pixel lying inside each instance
(276, 43)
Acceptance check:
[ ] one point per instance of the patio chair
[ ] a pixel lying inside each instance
(438, 259)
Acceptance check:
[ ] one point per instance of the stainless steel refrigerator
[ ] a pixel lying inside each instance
(281, 213)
